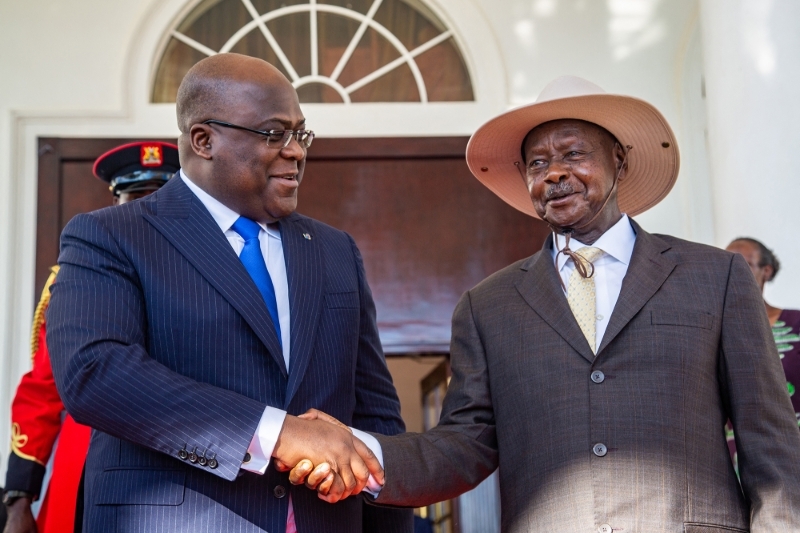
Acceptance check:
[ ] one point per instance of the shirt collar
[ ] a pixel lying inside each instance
(223, 215)
(616, 242)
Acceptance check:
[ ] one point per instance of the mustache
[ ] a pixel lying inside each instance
(558, 189)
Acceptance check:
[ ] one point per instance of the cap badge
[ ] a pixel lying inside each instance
(151, 155)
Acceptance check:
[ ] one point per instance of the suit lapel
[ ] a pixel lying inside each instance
(541, 289)
(304, 269)
(185, 222)
(648, 270)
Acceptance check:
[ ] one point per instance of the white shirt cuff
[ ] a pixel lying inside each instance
(263, 443)
(373, 487)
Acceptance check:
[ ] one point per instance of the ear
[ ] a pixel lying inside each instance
(200, 139)
(769, 272)
(620, 161)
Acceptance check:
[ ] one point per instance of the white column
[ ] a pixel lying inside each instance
(752, 70)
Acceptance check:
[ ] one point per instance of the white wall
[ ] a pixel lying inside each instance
(83, 68)
(56, 61)
(636, 47)
(752, 64)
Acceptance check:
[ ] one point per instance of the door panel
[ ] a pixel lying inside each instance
(427, 229)
(92, 193)
(66, 188)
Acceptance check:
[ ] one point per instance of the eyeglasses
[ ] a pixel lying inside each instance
(275, 138)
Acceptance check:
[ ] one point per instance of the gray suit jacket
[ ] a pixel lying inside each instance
(687, 347)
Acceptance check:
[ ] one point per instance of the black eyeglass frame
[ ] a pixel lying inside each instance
(303, 137)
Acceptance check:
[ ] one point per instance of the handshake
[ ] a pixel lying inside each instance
(322, 453)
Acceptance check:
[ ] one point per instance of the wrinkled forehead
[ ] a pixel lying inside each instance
(568, 127)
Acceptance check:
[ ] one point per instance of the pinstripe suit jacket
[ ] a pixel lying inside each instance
(161, 342)
(687, 347)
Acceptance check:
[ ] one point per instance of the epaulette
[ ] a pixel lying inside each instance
(38, 315)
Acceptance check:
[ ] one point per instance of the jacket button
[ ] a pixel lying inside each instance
(212, 463)
(192, 457)
(279, 491)
(598, 377)
(600, 450)
(182, 455)
(202, 461)
(605, 528)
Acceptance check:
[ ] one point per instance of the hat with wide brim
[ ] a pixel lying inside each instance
(653, 160)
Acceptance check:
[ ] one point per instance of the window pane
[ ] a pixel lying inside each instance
(362, 6)
(445, 84)
(265, 6)
(254, 44)
(317, 93)
(178, 58)
(293, 35)
(372, 52)
(214, 21)
(396, 86)
(335, 33)
(407, 24)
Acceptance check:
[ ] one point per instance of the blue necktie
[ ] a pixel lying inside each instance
(253, 262)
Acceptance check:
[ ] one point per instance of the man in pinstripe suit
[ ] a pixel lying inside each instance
(189, 358)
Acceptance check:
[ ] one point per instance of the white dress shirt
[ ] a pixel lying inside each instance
(269, 428)
(609, 269)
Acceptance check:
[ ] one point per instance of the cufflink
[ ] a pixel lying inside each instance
(307, 236)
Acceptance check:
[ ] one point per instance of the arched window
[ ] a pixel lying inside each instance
(333, 51)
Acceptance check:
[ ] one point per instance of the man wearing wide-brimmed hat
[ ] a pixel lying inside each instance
(598, 374)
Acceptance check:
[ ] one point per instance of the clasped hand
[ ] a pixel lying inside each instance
(323, 454)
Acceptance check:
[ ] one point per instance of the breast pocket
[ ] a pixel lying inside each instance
(710, 528)
(691, 319)
(341, 300)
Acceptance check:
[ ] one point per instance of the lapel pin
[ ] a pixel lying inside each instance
(307, 236)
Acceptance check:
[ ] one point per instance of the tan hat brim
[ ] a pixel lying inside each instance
(653, 162)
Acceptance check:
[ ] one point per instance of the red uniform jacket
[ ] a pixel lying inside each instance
(36, 423)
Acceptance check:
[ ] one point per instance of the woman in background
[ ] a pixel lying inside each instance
(785, 322)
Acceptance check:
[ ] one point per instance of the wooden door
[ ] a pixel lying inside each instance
(66, 188)
(427, 229)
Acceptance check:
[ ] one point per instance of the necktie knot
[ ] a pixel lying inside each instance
(588, 254)
(247, 228)
(581, 293)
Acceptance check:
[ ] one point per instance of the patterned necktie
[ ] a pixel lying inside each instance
(581, 295)
(253, 262)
